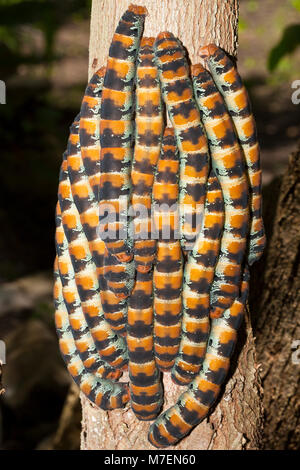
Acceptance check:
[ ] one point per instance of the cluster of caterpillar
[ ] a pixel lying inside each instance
(156, 302)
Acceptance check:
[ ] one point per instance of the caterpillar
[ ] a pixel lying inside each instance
(230, 85)
(111, 348)
(228, 164)
(145, 381)
(115, 310)
(149, 121)
(118, 277)
(89, 131)
(116, 131)
(168, 269)
(195, 403)
(99, 387)
(83, 169)
(198, 275)
(184, 114)
(83, 339)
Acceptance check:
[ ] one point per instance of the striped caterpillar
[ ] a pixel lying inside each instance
(148, 134)
(194, 404)
(168, 270)
(145, 379)
(97, 384)
(198, 275)
(191, 140)
(230, 85)
(116, 128)
(172, 298)
(84, 172)
(70, 233)
(228, 165)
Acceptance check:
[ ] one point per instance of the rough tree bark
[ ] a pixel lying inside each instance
(199, 23)
(236, 422)
(276, 302)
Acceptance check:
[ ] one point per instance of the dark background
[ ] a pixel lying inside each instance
(43, 61)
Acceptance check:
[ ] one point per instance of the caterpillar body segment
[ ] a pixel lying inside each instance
(116, 131)
(98, 387)
(145, 382)
(119, 276)
(168, 269)
(115, 305)
(194, 404)
(191, 140)
(111, 348)
(114, 308)
(89, 130)
(149, 125)
(229, 167)
(230, 84)
(198, 277)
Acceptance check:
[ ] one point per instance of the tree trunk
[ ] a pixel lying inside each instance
(277, 322)
(200, 23)
(236, 422)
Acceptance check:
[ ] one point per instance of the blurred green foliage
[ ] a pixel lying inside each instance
(279, 56)
(287, 44)
(252, 5)
(296, 4)
(48, 16)
(242, 24)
